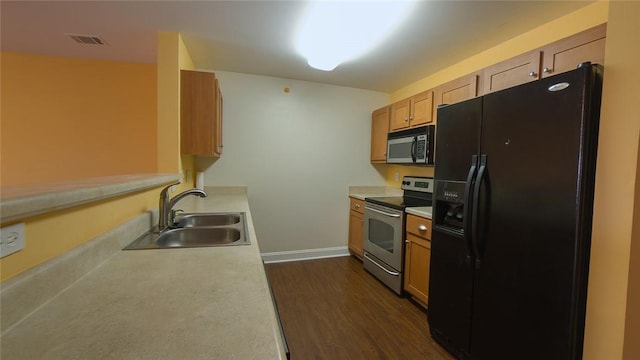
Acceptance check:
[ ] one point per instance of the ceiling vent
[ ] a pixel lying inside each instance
(87, 39)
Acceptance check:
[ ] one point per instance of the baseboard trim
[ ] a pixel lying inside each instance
(308, 254)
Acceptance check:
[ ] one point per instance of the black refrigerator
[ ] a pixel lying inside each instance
(514, 182)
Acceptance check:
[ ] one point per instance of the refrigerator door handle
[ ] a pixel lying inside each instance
(467, 236)
(475, 236)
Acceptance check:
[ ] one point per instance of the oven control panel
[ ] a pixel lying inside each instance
(414, 183)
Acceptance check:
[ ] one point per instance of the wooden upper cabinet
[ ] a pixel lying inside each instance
(200, 114)
(565, 54)
(454, 91)
(558, 57)
(515, 71)
(421, 108)
(411, 112)
(379, 131)
(400, 111)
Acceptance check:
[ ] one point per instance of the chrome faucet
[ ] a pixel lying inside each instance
(166, 204)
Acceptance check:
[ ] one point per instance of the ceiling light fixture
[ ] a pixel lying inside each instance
(332, 32)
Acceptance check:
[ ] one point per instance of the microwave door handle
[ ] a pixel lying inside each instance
(414, 148)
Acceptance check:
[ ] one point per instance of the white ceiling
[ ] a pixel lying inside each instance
(256, 37)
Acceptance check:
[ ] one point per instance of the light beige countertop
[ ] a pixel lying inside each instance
(22, 201)
(192, 303)
(424, 211)
(362, 192)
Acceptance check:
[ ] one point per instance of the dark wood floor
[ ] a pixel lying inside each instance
(334, 309)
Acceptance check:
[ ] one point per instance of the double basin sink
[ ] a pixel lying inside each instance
(197, 230)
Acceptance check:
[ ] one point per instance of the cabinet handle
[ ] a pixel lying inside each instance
(422, 228)
(406, 119)
(533, 74)
(357, 206)
(546, 70)
(410, 117)
(406, 241)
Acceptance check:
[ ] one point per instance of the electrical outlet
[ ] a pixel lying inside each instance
(397, 176)
(11, 239)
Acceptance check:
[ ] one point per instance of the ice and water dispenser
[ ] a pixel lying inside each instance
(449, 204)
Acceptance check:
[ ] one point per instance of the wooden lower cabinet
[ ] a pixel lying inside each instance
(356, 227)
(417, 258)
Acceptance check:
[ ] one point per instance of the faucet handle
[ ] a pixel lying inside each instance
(173, 214)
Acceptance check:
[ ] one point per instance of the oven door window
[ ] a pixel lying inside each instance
(381, 234)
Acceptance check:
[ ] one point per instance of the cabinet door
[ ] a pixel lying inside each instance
(419, 226)
(421, 109)
(417, 260)
(379, 131)
(515, 71)
(564, 55)
(357, 205)
(200, 114)
(356, 233)
(400, 112)
(454, 91)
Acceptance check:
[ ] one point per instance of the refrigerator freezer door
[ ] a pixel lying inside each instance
(457, 139)
(451, 269)
(526, 298)
(450, 291)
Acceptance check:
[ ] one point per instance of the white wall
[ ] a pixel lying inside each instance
(298, 153)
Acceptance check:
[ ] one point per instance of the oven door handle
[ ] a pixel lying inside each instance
(392, 273)
(382, 212)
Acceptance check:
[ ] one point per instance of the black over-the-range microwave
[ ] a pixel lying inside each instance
(412, 146)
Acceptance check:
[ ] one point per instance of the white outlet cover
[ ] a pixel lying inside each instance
(11, 239)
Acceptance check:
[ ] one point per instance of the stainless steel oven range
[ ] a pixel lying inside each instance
(384, 229)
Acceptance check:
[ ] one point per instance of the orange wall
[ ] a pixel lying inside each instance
(613, 311)
(68, 118)
(136, 130)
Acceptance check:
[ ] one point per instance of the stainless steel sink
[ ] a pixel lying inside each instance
(206, 220)
(197, 230)
(196, 237)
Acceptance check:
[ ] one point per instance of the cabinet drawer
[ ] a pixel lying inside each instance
(357, 205)
(419, 226)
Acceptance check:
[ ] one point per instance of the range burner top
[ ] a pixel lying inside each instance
(418, 191)
(399, 202)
